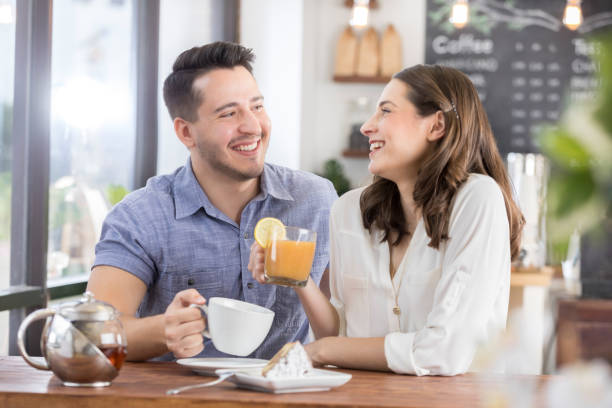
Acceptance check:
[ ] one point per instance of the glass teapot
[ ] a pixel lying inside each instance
(83, 342)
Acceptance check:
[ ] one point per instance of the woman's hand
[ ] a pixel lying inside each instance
(256, 262)
(315, 351)
(321, 314)
(349, 352)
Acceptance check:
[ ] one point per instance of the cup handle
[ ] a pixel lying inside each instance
(204, 309)
(37, 315)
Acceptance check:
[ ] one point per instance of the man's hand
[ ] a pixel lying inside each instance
(184, 325)
(256, 262)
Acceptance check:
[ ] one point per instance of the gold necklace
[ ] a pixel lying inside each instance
(396, 309)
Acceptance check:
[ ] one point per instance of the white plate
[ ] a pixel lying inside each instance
(316, 380)
(208, 366)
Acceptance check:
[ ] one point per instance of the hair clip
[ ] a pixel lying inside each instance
(455, 109)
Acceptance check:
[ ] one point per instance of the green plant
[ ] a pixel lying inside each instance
(580, 150)
(63, 208)
(333, 171)
(115, 193)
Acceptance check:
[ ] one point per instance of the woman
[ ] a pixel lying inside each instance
(419, 259)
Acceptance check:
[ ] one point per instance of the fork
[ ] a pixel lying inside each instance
(222, 377)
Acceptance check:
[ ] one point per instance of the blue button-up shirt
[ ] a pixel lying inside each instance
(172, 237)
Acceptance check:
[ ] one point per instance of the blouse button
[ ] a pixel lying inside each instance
(190, 282)
(250, 285)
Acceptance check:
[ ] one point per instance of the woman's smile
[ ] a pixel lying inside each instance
(375, 146)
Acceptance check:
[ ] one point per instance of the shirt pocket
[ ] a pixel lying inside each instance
(356, 305)
(355, 255)
(208, 283)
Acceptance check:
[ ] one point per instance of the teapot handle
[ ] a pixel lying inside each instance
(37, 315)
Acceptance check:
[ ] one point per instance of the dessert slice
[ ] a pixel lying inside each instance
(290, 361)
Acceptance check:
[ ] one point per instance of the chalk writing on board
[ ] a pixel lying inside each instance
(525, 64)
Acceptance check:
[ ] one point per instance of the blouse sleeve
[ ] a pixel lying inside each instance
(471, 298)
(335, 277)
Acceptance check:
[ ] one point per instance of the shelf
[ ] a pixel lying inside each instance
(355, 153)
(361, 79)
(529, 279)
(532, 276)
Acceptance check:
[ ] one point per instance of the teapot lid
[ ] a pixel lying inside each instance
(88, 308)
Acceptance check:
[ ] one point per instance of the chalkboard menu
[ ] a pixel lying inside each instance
(524, 62)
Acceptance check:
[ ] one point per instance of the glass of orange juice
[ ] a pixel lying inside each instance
(289, 256)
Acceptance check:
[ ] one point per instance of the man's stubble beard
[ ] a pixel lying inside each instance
(209, 156)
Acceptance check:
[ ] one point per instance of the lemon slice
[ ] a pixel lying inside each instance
(266, 228)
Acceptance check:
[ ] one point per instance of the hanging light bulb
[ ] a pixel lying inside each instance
(359, 17)
(572, 17)
(459, 14)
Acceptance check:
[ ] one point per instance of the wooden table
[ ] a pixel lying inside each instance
(144, 385)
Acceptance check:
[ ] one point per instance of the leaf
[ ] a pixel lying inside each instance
(604, 58)
(558, 250)
(334, 172)
(439, 15)
(115, 193)
(563, 149)
(566, 194)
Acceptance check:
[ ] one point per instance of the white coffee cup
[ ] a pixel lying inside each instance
(236, 327)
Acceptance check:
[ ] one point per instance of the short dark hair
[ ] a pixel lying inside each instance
(180, 97)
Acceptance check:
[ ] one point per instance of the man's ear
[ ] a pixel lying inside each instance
(438, 127)
(184, 132)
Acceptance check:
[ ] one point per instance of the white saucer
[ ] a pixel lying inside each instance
(316, 380)
(208, 366)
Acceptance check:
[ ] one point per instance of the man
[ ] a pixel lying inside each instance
(186, 237)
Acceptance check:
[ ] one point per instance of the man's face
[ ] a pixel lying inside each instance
(232, 131)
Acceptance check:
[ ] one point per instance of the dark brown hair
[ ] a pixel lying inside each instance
(180, 97)
(468, 146)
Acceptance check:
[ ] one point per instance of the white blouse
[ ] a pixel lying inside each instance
(451, 300)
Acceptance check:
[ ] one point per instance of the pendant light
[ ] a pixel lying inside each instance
(359, 15)
(572, 17)
(459, 13)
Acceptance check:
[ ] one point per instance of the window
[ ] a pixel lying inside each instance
(97, 129)
(92, 126)
(7, 50)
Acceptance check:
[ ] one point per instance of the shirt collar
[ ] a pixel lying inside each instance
(272, 184)
(189, 196)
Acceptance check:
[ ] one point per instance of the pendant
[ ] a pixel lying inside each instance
(397, 310)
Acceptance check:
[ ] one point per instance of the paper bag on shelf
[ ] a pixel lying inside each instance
(346, 53)
(367, 58)
(391, 52)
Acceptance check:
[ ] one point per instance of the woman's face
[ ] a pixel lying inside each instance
(399, 137)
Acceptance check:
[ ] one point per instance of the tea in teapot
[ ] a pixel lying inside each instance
(83, 342)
